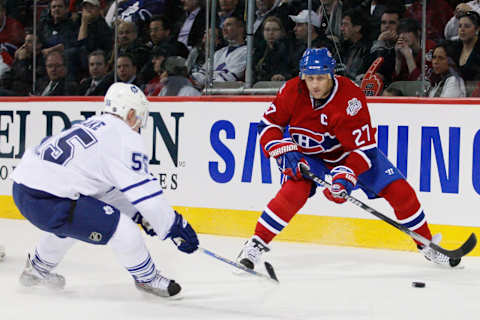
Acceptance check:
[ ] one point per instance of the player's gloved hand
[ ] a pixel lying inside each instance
(139, 219)
(288, 158)
(343, 182)
(183, 235)
(291, 165)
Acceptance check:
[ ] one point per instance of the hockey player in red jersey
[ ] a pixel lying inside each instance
(329, 129)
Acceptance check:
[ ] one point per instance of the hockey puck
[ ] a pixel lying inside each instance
(416, 284)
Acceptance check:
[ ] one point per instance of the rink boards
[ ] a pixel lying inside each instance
(206, 156)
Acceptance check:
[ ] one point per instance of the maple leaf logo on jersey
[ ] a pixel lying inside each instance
(354, 105)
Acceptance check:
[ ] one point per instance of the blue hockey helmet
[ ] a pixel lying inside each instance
(317, 61)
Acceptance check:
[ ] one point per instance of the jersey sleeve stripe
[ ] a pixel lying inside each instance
(138, 184)
(111, 189)
(147, 197)
(267, 124)
(266, 129)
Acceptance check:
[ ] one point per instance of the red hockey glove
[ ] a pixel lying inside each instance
(288, 158)
(291, 164)
(280, 148)
(343, 182)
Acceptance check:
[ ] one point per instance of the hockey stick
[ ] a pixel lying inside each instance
(466, 247)
(271, 272)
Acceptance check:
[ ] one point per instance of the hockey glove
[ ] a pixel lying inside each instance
(343, 182)
(183, 235)
(139, 219)
(288, 158)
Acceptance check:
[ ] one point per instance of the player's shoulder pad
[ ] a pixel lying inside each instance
(348, 84)
(352, 96)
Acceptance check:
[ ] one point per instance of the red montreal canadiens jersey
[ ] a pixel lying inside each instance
(338, 131)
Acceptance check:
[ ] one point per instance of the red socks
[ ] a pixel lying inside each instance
(281, 209)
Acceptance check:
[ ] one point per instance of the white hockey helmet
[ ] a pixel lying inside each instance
(121, 97)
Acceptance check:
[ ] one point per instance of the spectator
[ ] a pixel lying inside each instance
(451, 28)
(438, 14)
(140, 12)
(228, 8)
(374, 10)
(270, 58)
(332, 11)
(175, 79)
(408, 51)
(20, 10)
(153, 87)
(19, 80)
(267, 8)
(318, 38)
(193, 23)
(94, 33)
(56, 84)
(229, 62)
(161, 33)
(160, 30)
(197, 56)
(384, 46)
(129, 44)
(467, 49)
(57, 31)
(75, 6)
(355, 45)
(11, 31)
(98, 83)
(444, 79)
(127, 70)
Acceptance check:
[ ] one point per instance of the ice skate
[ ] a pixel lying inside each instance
(2, 252)
(252, 252)
(160, 286)
(437, 257)
(33, 276)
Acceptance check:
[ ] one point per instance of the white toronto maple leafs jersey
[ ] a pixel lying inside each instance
(96, 157)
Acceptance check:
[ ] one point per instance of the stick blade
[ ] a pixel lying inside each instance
(271, 271)
(470, 244)
(465, 249)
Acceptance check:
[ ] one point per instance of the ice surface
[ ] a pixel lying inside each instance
(317, 282)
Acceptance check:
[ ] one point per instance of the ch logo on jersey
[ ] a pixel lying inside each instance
(354, 105)
(108, 210)
(313, 142)
(95, 236)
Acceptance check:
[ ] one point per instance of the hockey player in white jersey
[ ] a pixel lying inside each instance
(82, 184)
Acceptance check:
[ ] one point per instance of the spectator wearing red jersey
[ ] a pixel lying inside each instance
(12, 33)
(408, 51)
(153, 87)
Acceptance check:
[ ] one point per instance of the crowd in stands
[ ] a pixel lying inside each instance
(161, 44)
